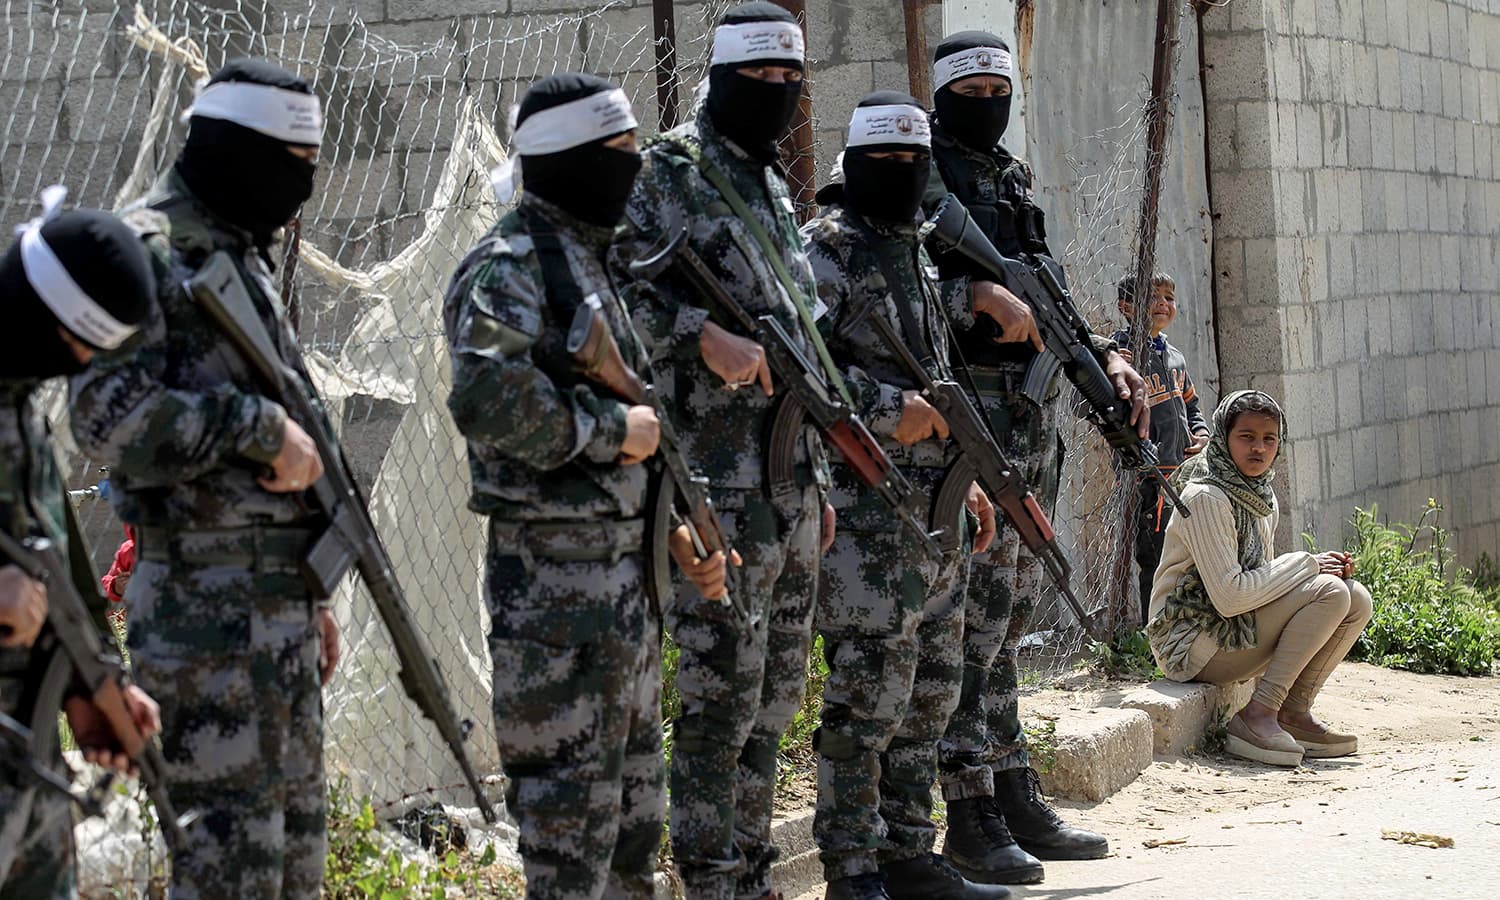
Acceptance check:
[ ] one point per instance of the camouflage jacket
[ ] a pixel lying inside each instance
(517, 395)
(996, 187)
(854, 260)
(176, 412)
(31, 504)
(722, 431)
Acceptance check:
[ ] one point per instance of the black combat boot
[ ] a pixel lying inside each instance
(981, 847)
(869, 886)
(930, 877)
(1039, 831)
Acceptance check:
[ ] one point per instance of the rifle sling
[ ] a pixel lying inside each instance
(721, 183)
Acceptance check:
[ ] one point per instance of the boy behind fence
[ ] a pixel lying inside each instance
(1177, 426)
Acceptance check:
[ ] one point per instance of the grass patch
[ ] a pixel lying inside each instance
(1430, 614)
(1041, 741)
(364, 863)
(1126, 656)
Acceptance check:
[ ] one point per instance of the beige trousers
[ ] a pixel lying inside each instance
(1300, 637)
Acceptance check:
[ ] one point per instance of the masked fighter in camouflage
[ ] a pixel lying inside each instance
(891, 614)
(994, 798)
(741, 681)
(557, 464)
(75, 284)
(224, 630)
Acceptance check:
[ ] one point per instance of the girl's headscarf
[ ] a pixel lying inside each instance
(1216, 467)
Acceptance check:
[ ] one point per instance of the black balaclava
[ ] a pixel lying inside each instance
(589, 181)
(888, 190)
(104, 258)
(247, 178)
(977, 122)
(754, 114)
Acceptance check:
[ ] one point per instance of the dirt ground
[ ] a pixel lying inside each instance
(1429, 764)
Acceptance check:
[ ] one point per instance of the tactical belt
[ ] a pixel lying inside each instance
(263, 548)
(598, 541)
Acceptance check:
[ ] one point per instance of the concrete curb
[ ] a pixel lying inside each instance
(1181, 712)
(1098, 751)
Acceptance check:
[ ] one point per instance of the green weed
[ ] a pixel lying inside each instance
(1431, 615)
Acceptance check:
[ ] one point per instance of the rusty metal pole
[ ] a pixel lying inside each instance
(799, 155)
(918, 69)
(1158, 118)
(664, 29)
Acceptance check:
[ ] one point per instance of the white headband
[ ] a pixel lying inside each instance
(975, 61)
(574, 123)
(275, 112)
(891, 124)
(75, 309)
(756, 42)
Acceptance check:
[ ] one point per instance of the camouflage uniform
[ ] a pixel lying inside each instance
(891, 615)
(574, 639)
(31, 502)
(740, 683)
(985, 733)
(221, 631)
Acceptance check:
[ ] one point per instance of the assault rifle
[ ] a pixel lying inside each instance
(1039, 280)
(351, 540)
(99, 673)
(808, 388)
(597, 356)
(982, 458)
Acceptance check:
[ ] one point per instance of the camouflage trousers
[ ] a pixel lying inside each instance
(741, 684)
(891, 618)
(984, 735)
(36, 825)
(576, 647)
(230, 652)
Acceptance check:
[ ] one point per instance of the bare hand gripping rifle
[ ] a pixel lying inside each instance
(1039, 280)
(982, 459)
(351, 541)
(598, 356)
(805, 382)
(102, 679)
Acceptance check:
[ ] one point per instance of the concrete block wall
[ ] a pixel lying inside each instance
(1355, 166)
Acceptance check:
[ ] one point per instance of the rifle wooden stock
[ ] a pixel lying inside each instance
(100, 673)
(220, 289)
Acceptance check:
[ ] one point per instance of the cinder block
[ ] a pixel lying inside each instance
(1180, 712)
(1098, 752)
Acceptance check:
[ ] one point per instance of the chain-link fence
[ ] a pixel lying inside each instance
(417, 108)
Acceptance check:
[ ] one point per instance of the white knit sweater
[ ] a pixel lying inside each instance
(1207, 539)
